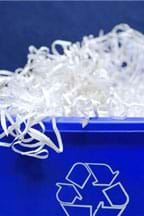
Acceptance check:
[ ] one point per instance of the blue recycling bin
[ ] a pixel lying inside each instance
(100, 172)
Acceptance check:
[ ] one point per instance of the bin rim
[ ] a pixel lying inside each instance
(99, 124)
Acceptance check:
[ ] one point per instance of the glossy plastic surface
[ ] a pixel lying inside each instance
(28, 185)
(98, 125)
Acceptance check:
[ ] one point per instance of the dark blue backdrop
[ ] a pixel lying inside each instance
(40, 23)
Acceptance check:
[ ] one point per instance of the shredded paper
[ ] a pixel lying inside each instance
(98, 77)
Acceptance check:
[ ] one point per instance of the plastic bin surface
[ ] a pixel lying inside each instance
(100, 173)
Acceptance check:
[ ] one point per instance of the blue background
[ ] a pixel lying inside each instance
(40, 23)
(27, 185)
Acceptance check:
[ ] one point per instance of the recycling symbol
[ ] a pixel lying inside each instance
(92, 189)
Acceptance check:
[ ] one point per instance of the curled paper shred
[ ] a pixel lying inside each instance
(99, 76)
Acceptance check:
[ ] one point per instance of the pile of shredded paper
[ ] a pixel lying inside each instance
(100, 76)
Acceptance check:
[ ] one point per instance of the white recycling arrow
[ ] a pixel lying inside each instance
(83, 175)
(77, 210)
(67, 193)
(102, 173)
(103, 210)
(115, 200)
